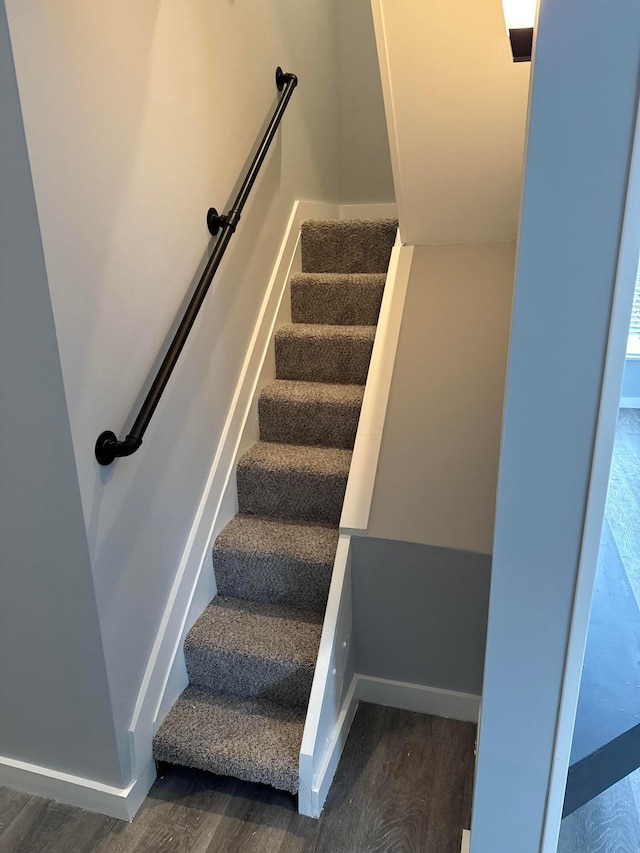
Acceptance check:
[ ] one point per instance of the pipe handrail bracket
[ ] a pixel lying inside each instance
(223, 226)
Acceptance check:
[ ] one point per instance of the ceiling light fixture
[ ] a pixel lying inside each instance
(520, 16)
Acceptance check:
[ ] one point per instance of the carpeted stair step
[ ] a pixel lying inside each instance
(277, 561)
(348, 245)
(293, 481)
(340, 299)
(323, 353)
(250, 739)
(310, 413)
(249, 648)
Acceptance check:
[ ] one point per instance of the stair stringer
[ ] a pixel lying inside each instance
(194, 586)
(335, 691)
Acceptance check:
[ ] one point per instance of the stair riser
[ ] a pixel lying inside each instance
(347, 247)
(336, 304)
(239, 675)
(320, 424)
(285, 779)
(272, 579)
(290, 494)
(323, 360)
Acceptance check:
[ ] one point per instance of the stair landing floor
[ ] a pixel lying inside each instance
(403, 783)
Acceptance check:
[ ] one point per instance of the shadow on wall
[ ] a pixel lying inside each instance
(420, 613)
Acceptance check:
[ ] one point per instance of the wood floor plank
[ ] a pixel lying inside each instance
(610, 823)
(48, 827)
(267, 824)
(401, 786)
(182, 812)
(11, 804)
(417, 766)
(607, 824)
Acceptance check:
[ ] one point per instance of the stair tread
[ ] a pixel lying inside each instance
(326, 332)
(257, 630)
(301, 391)
(251, 739)
(309, 542)
(300, 458)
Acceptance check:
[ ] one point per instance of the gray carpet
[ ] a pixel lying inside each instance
(310, 413)
(340, 299)
(323, 353)
(251, 655)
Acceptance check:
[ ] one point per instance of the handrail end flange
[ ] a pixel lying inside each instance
(284, 77)
(106, 447)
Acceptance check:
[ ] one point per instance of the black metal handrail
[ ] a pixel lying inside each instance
(108, 447)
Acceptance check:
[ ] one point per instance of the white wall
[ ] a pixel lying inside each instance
(138, 117)
(55, 708)
(438, 466)
(364, 159)
(582, 115)
(456, 109)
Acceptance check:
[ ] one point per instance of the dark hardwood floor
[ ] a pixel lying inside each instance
(403, 785)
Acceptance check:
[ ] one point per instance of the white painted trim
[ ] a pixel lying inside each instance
(364, 462)
(331, 703)
(598, 484)
(121, 803)
(369, 211)
(333, 750)
(466, 841)
(389, 107)
(160, 685)
(629, 403)
(417, 697)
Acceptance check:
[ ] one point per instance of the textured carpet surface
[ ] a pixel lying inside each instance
(293, 481)
(341, 299)
(351, 245)
(251, 655)
(251, 739)
(310, 413)
(324, 353)
(278, 561)
(250, 648)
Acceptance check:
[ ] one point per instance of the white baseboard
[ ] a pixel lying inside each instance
(416, 697)
(121, 803)
(630, 402)
(333, 751)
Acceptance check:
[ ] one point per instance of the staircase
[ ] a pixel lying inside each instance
(251, 655)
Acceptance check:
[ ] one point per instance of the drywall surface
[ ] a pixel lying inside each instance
(438, 465)
(420, 613)
(139, 117)
(364, 159)
(581, 131)
(55, 709)
(456, 108)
